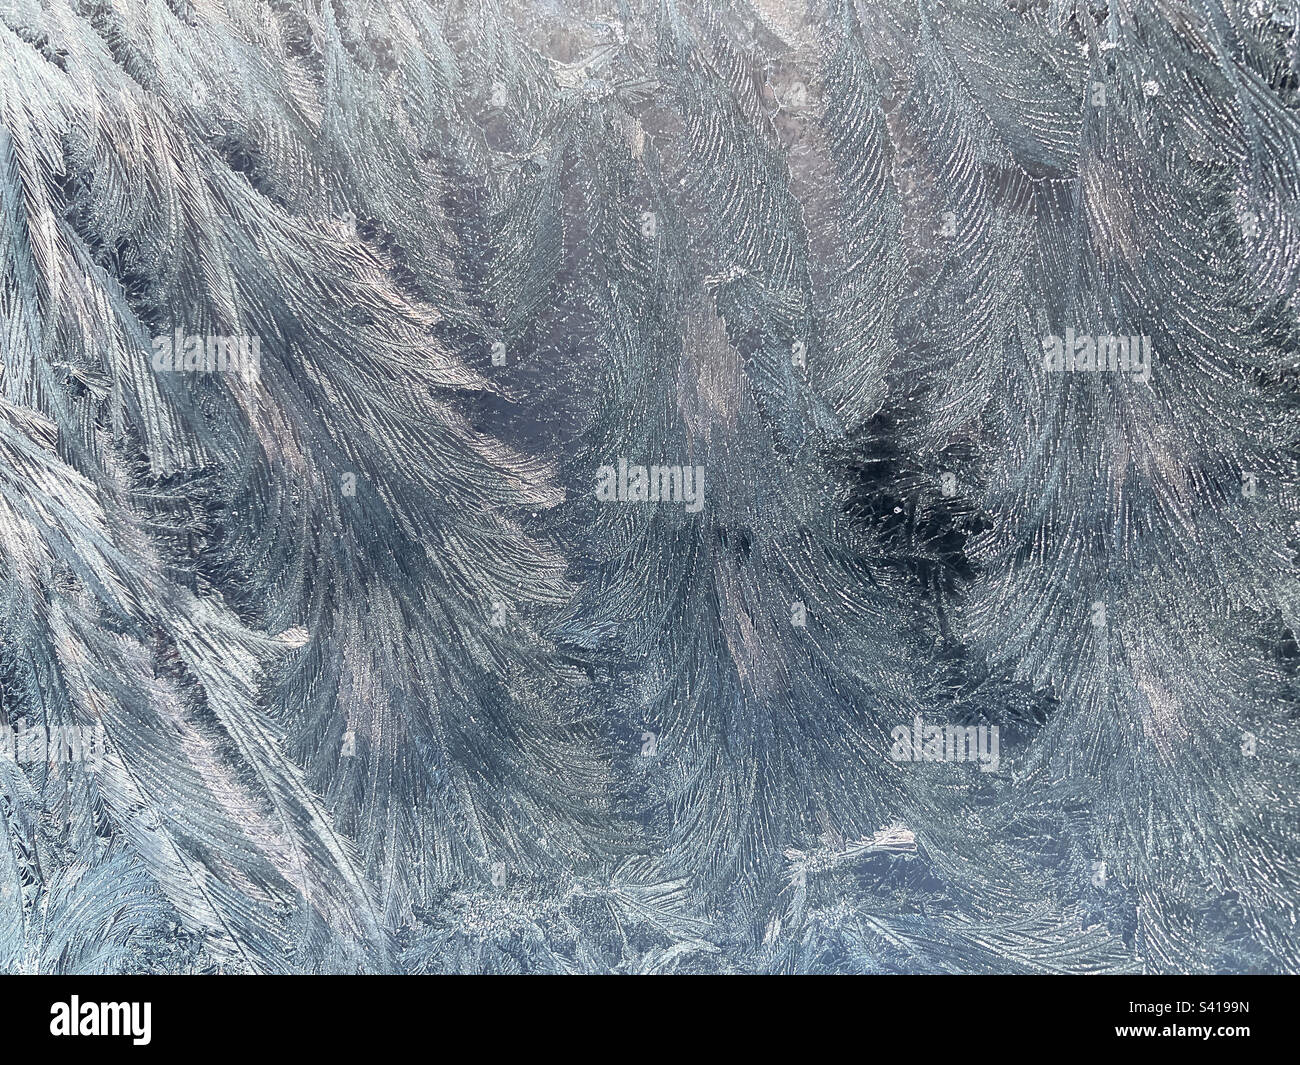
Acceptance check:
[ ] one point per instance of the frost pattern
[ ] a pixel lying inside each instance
(386, 687)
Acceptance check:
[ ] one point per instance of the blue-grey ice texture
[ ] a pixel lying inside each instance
(384, 686)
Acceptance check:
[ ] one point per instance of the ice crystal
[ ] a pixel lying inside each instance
(649, 486)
